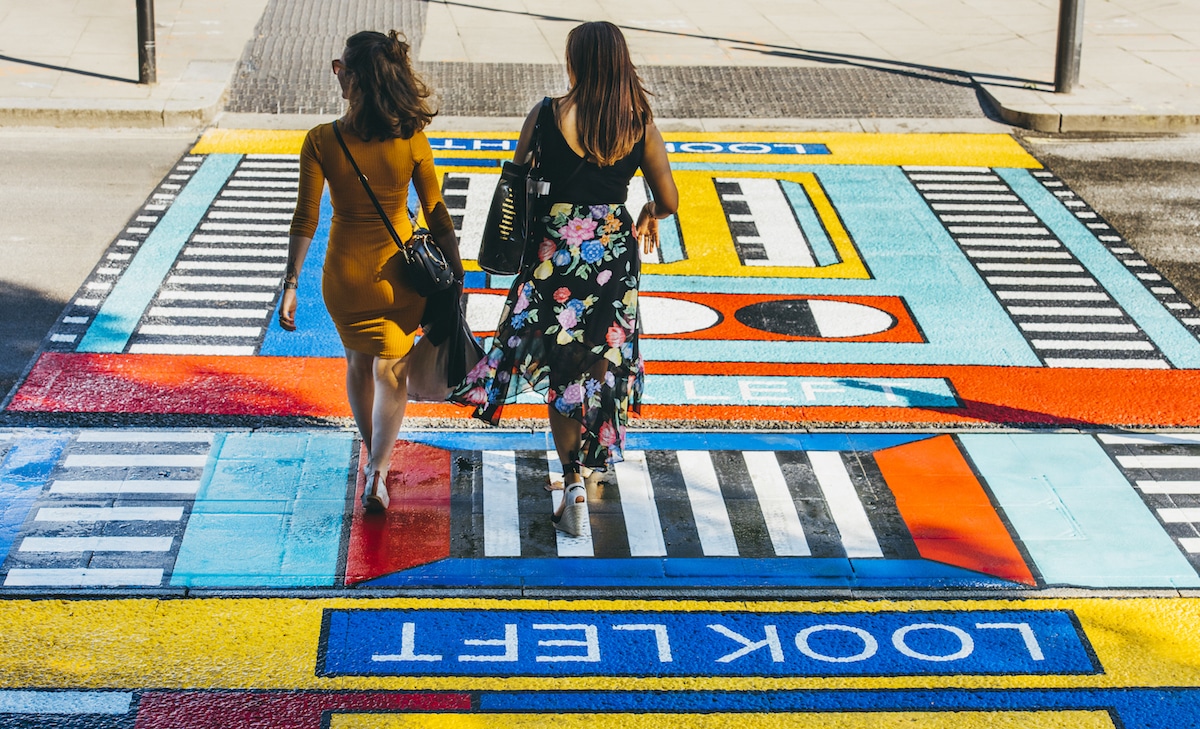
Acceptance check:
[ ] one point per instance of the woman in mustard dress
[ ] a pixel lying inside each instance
(376, 311)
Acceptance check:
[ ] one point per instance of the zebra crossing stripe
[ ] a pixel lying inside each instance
(96, 544)
(858, 537)
(772, 235)
(1150, 438)
(109, 513)
(83, 577)
(1169, 487)
(81, 486)
(1159, 461)
(501, 536)
(778, 509)
(708, 507)
(642, 523)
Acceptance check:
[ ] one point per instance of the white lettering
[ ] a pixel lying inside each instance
(660, 637)
(509, 641)
(445, 144)
(670, 147)
(748, 646)
(689, 390)
(701, 147)
(490, 145)
(750, 148)
(408, 652)
(797, 148)
(591, 641)
(764, 390)
(812, 389)
(870, 645)
(1031, 643)
(967, 647)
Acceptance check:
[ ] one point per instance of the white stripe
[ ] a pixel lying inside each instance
(1052, 183)
(224, 281)
(128, 243)
(1053, 295)
(737, 218)
(1155, 461)
(568, 546)
(264, 184)
(1150, 438)
(782, 240)
(954, 178)
(142, 436)
(209, 349)
(778, 509)
(257, 164)
(1178, 305)
(65, 338)
(1011, 219)
(119, 256)
(198, 330)
(1007, 243)
(230, 266)
(244, 252)
(239, 215)
(1061, 311)
(1192, 322)
(1110, 238)
(1047, 267)
(1018, 254)
(1094, 328)
(478, 194)
(99, 285)
(1116, 364)
(858, 537)
(259, 193)
(75, 319)
(708, 506)
(1084, 214)
(241, 239)
(1162, 289)
(254, 204)
(943, 168)
(291, 174)
(217, 296)
(1097, 226)
(962, 207)
(248, 227)
(637, 505)
(146, 219)
(162, 486)
(107, 271)
(501, 521)
(1169, 487)
(996, 230)
(1041, 281)
(90, 303)
(1149, 277)
(1190, 544)
(933, 186)
(96, 544)
(1119, 346)
(22, 577)
(969, 196)
(1180, 516)
(123, 460)
(1074, 203)
(110, 513)
(167, 312)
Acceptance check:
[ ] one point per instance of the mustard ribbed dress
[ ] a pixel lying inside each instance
(375, 310)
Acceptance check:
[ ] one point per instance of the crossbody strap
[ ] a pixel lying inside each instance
(370, 193)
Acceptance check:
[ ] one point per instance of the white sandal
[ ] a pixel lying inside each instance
(574, 514)
(375, 493)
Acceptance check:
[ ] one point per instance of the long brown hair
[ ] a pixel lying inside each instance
(392, 101)
(612, 107)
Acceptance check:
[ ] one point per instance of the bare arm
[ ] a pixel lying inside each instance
(425, 179)
(657, 170)
(304, 225)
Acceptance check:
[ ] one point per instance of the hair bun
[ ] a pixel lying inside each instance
(397, 46)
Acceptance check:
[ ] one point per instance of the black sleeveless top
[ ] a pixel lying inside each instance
(574, 180)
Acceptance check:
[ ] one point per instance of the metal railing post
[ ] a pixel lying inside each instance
(1070, 45)
(147, 64)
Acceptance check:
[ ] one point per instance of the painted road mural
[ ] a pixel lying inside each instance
(843, 334)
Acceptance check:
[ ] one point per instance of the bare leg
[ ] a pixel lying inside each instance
(568, 437)
(391, 399)
(360, 391)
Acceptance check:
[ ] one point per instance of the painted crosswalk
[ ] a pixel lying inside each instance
(681, 504)
(113, 513)
(764, 225)
(1061, 309)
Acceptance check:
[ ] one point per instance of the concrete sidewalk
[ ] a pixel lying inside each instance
(67, 62)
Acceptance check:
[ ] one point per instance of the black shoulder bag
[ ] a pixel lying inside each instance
(426, 266)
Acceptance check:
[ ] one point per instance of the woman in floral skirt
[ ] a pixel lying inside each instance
(570, 325)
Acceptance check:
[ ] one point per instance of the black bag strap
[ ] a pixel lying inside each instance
(371, 194)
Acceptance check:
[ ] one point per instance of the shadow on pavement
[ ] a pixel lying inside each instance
(25, 316)
(64, 69)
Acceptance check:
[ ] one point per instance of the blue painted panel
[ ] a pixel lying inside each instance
(728, 643)
(23, 474)
(1180, 347)
(1075, 513)
(123, 308)
(638, 440)
(670, 240)
(65, 702)
(315, 334)
(269, 512)
(810, 223)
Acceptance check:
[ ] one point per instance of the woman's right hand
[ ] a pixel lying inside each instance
(287, 310)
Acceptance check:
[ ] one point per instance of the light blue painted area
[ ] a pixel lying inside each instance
(670, 240)
(111, 703)
(23, 474)
(315, 334)
(125, 304)
(799, 391)
(1075, 513)
(810, 223)
(1179, 346)
(669, 440)
(268, 513)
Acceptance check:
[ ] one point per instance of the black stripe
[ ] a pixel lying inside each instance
(466, 504)
(880, 504)
(741, 501)
(534, 506)
(819, 528)
(609, 536)
(674, 507)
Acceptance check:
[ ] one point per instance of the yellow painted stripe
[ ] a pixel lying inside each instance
(1072, 719)
(272, 644)
(987, 150)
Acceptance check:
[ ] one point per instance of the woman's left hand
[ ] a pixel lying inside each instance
(647, 229)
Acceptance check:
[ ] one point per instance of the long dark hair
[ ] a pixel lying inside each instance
(612, 107)
(392, 101)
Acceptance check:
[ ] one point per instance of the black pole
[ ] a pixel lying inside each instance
(147, 65)
(1070, 45)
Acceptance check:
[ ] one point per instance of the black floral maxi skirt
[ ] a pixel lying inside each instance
(569, 330)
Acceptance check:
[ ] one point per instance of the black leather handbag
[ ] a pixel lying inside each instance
(506, 233)
(426, 265)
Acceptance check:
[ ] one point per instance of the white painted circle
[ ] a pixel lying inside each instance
(664, 315)
(870, 646)
(836, 319)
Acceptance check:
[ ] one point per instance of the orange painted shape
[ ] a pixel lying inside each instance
(948, 513)
(415, 529)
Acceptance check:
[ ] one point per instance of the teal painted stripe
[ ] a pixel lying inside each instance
(1075, 513)
(670, 240)
(268, 513)
(810, 223)
(122, 310)
(1179, 346)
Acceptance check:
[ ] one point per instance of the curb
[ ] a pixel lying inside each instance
(1042, 116)
(17, 112)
